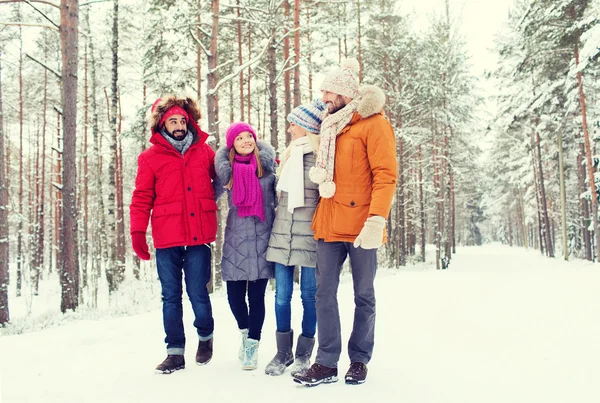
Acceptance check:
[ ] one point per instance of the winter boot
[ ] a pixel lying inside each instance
(304, 350)
(316, 375)
(357, 373)
(205, 352)
(284, 357)
(171, 364)
(250, 361)
(244, 333)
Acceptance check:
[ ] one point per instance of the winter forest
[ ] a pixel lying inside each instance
(506, 156)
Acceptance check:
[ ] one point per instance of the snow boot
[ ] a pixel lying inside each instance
(250, 361)
(357, 373)
(304, 349)
(205, 352)
(171, 364)
(284, 357)
(316, 375)
(244, 333)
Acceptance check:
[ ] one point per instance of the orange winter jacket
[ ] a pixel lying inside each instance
(365, 175)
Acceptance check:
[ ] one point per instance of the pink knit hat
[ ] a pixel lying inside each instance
(235, 129)
(343, 81)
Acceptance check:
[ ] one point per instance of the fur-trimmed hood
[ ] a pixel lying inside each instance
(266, 153)
(158, 110)
(371, 100)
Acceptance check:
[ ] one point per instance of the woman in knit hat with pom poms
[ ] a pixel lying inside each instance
(246, 168)
(292, 242)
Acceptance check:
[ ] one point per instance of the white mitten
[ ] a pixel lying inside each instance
(371, 236)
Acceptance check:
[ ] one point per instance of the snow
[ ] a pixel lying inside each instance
(501, 325)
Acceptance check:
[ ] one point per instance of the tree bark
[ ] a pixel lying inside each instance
(69, 12)
(20, 256)
(286, 71)
(4, 263)
(548, 235)
(421, 204)
(116, 267)
(212, 96)
(297, 95)
(240, 61)
(588, 153)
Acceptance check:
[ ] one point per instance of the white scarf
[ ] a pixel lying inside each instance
(322, 172)
(292, 172)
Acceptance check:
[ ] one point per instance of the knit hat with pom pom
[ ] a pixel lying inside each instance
(343, 81)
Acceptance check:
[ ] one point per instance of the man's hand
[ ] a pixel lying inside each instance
(140, 247)
(371, 236)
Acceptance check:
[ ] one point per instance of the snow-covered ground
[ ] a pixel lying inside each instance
(501, 325)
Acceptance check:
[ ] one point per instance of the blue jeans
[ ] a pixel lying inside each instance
(249, 316)
(284, 287)
(194, 261)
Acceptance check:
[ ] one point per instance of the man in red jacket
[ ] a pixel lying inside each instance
(173, 189)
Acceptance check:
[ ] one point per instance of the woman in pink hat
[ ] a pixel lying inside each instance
(246, 168)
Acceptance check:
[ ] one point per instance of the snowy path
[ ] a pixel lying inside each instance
(502, 325)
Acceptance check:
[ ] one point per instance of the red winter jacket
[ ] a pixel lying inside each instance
(178, 190)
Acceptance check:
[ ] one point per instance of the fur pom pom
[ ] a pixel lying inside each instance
(327, 189)
(351, 64)
(317, 174)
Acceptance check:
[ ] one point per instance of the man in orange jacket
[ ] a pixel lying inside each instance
(356, 171)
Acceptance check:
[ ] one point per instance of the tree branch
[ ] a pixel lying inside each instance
(26, 24)
(42, 14)
(199, 42)
(57, 74)
(33, 1)
(238, 69)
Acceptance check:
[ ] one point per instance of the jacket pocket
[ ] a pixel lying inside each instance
(350, 212)
(167, 224)
(208, 207)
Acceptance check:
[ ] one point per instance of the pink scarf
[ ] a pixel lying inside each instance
(247, 194)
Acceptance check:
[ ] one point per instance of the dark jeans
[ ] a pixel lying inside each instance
(284, 287)
(194, 261)
(330, 258)
(251, 318)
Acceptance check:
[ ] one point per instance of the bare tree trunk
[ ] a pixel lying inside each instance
(522, 211)
(4, 264)
(358, 40)
(400, 211)
(537, 193)
(309, 54)
(563, 197)
(549, 247)
(272, 67)
(286, 71)
(69, 50)
(212, 96)
(421, 204)
(240, 61)
(198, 63)
(248, 91)
(116, 268)
(58, 202)
(20, 256)
(584, 211)
(85, 250)
(119, 194)
(297, 95)
(588, 153)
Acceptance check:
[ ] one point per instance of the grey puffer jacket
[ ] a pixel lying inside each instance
(246, 238)
(292, 240)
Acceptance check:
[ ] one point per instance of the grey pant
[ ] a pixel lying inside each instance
(330, 258)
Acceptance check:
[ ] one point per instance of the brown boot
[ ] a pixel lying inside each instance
(171, 364)
(357, 373)
(205, 352)
(316, 375)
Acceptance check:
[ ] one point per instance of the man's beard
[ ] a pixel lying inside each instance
(337, 104)
(175, 133)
